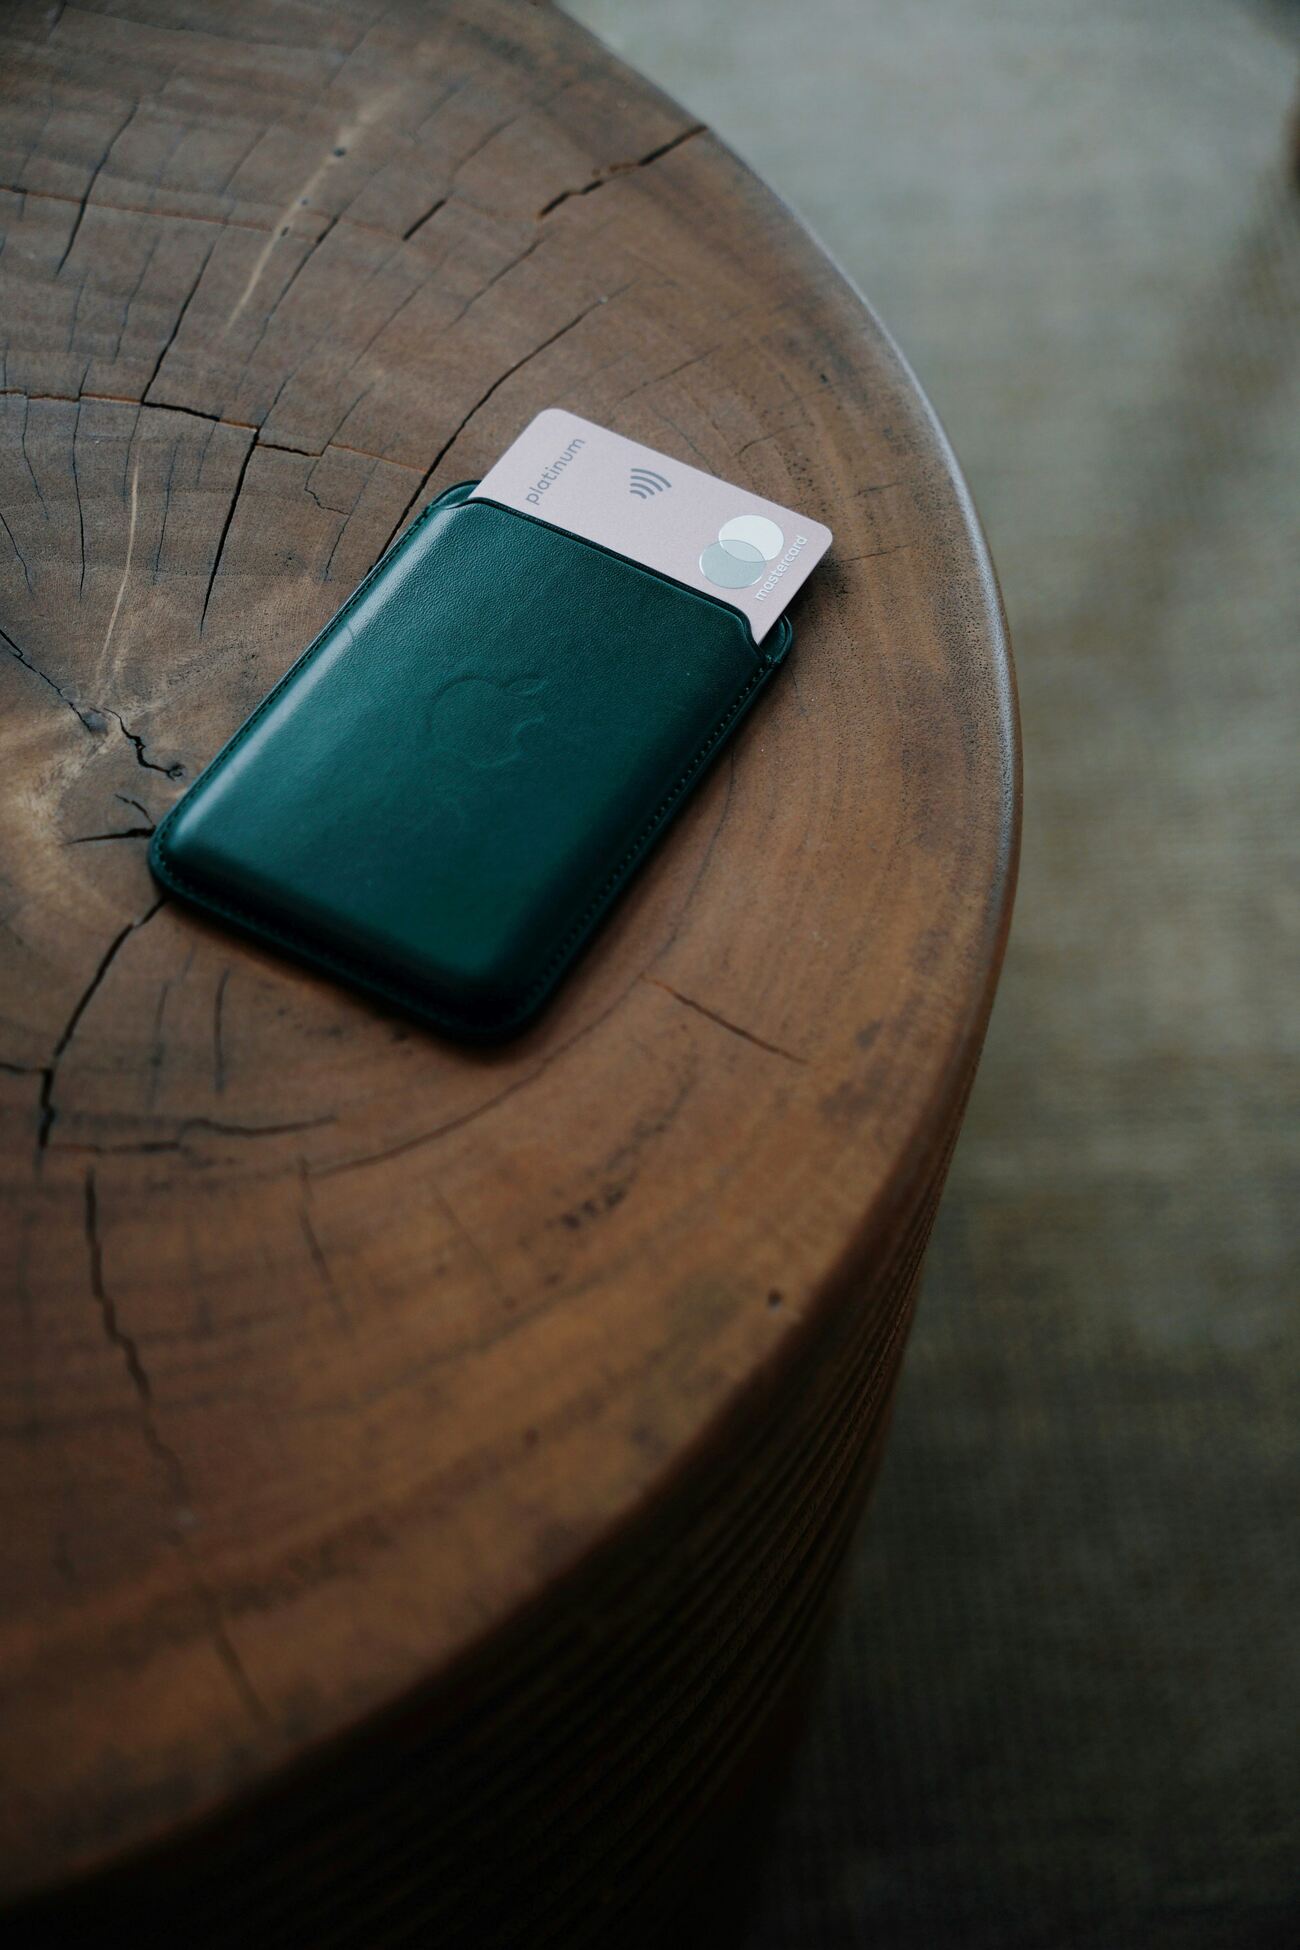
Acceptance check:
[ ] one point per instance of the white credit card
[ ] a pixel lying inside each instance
(726, 541)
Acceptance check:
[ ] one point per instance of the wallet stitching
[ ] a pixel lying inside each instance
(411, 997)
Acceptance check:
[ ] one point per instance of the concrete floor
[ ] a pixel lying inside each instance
(1063, 1704)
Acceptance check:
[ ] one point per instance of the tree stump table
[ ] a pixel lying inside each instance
(424, 1468)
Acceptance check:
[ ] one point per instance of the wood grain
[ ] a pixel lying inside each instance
(424, 1468)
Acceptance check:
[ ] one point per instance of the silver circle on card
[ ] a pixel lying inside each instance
(732, 565)
(757, 531)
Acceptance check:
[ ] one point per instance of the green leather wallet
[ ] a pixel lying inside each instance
(445, 793)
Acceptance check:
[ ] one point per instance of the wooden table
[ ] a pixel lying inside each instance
(425, 1468)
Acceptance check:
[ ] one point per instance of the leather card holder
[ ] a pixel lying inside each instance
(447, 790)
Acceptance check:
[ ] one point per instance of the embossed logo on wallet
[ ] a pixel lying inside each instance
(656, 511)
(483, 722)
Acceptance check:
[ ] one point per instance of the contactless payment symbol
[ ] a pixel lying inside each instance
(745, 546)
(645, 482)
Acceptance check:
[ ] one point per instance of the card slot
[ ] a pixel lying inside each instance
(769, 652)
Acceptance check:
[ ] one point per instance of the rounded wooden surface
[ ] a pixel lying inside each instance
(342, 1364)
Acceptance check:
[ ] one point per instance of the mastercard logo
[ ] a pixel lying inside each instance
(744, 547)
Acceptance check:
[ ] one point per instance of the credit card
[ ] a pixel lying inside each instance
(724, 540)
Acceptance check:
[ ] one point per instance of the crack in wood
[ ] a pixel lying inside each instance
(475, 1249)
(218, 1035)
(81, 513)
(871, 554)
(173, 771)
(724, 1022)
(125, 1343)
(319, 1259)
(131, 297)
(47, 1108)
(429, 214)
(225, 222)
(180, 320)
(167, 1459)
(225, 530)
(289, 1129)
(142, 1147)
(27, 574)
(95, 718)
(484, 288)
(85, 198)
(27, 409)
(612, 170)
(124, 833)
(483, 399)
(94, 722)
(212, 420)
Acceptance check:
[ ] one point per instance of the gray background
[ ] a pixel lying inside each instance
(1062, 1705)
